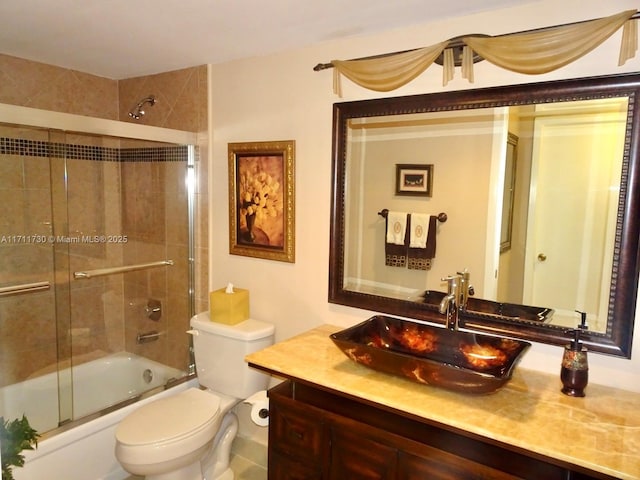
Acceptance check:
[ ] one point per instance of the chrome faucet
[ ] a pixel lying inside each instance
(450, 303)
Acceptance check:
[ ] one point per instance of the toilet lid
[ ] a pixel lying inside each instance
(169, 418)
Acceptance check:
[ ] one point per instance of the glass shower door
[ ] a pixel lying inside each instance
(96, 271)
(128, 257)
(28, 348)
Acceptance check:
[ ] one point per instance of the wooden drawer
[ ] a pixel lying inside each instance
(295, 430)
(282, 467)
(356, 457)
(444, 466)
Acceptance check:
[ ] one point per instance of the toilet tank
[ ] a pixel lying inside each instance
(220, 350)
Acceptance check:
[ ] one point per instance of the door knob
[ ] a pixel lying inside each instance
(542, 257)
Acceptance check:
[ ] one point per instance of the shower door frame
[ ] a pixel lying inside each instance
(33, 117)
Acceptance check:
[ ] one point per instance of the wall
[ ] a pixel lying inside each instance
(280, 97)
(181, 104)
(460, 148)
(37, 85)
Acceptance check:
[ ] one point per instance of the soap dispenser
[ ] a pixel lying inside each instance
(575, 368)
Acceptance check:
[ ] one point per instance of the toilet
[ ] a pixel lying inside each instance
(188, 436)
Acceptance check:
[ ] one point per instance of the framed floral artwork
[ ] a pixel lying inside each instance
(261, 200)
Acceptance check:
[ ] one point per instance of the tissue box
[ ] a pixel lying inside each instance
(229, 308)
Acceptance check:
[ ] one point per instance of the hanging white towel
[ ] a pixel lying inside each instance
(419, 230)
(396, 227)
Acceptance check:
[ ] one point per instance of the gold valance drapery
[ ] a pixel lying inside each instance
(533, 52)
(388, 73)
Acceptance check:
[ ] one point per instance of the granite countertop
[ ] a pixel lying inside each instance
(600, 432)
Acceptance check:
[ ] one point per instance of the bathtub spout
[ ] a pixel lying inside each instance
(148, 337)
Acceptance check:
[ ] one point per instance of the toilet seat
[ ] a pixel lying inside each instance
(170, 419)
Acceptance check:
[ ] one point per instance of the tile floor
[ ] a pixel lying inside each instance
(242, 468)
(248, 459)
(245, 469)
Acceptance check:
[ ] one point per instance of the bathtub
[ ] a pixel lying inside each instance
(85, 451)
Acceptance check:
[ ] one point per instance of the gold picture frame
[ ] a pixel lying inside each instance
(261, 200)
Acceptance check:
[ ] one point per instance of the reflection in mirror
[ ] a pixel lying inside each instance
(532, 192)
(566, 195)
(508, 192)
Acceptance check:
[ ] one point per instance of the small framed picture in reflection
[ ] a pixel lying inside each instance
(414, 179)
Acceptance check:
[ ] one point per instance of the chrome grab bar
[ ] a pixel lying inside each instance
(24, 288)
(126, 268)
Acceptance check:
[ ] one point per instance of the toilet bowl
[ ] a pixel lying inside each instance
(188, 436)
(169, 435)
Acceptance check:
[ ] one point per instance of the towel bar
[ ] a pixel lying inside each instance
(126, 268)
(24, 288)
(442, 217)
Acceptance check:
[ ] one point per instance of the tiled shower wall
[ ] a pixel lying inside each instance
(156, 226)
(181, 104)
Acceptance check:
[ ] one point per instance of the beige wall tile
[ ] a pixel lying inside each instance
(37, 85)
(180, 99)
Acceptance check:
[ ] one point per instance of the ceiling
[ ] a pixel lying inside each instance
(127, 38)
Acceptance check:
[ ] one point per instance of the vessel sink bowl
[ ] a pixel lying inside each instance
(465, 362)
(479, 307)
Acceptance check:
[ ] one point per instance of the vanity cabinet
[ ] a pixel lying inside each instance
(355, 456)
(319, 434)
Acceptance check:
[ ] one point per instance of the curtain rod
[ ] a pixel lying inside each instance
(457, 42)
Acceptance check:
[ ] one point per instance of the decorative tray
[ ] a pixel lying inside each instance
(479, 307)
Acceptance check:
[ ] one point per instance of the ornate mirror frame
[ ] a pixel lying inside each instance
(617, 339)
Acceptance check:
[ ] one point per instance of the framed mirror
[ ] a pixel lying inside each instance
(557, 160)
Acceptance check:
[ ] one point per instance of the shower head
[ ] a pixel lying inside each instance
(137, 112)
